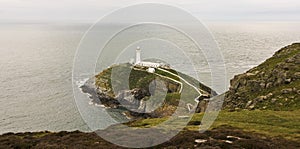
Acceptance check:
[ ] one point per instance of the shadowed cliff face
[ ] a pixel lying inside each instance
(274, 84)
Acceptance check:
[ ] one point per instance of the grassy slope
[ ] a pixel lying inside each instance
(270, 71)
(284, 124)
(141, 79)
(271, 64)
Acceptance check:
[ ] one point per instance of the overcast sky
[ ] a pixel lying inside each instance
(91, 10)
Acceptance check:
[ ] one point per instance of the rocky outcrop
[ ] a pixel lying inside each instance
(149, 95)
(274, 84)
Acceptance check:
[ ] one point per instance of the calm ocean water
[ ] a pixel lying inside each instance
(36, 67)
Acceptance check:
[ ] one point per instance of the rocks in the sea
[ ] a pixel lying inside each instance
(278, 78)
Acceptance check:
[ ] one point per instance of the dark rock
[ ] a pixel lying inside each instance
(201, 107)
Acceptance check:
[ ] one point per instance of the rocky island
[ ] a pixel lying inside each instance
(164, 86)
(147, 89)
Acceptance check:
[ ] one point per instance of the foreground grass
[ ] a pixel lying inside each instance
(284, 124)
(257, 129)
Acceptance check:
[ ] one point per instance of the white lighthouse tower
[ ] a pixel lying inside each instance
(138, 55)
(140, 63)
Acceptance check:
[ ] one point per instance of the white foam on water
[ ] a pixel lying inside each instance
(81, 82)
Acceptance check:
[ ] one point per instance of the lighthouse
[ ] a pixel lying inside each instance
(138, 55)
(140, 63)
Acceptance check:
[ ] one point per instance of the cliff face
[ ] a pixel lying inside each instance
(274, 84)
(147, 94)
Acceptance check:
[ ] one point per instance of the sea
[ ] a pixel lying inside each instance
(36, 63)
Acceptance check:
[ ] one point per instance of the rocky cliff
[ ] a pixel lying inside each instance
(273, 85)
(141, 93)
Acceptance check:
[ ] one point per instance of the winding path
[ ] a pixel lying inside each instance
(181, 85)
(197, 89)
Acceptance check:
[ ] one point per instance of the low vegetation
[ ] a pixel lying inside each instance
(284, 124)
(248, 129)
(273, 85)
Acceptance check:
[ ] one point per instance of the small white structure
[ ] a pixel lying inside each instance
(139, 62)
(149, 64)
(151, 70)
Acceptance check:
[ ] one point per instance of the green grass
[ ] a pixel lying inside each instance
(284, 124)
(281, 103)
(167, 74)
(270, 71)
(272, 123)
(192, 81)
(140, 78)
(40, 134)
(279, 57)
(290, 104)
